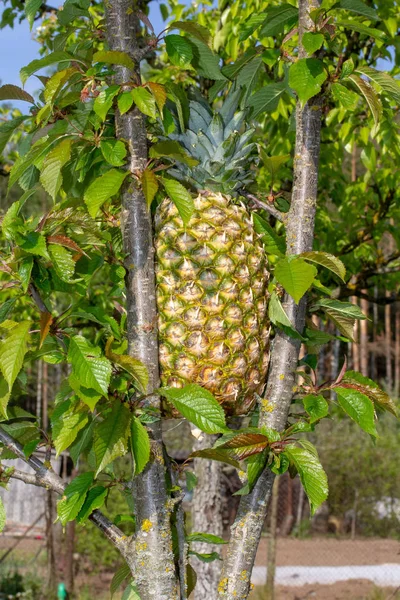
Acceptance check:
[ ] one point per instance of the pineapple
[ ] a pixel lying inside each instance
(212, 273)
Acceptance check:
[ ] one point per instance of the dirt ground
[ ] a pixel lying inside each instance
(313, 552)
(331, 552)
(351, 590)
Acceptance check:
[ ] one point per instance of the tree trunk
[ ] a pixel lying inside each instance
(388, 344)
(271, 562)
(364, 354)
(151, 558)
(69, 558)
(354, 516)
(287, 523)
(356, 344)
(50, 513)
(375, 320)
(300, 506)
(397, 352)
(246, 530)
(207, 518)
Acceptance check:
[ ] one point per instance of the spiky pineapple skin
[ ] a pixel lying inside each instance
(212, 299)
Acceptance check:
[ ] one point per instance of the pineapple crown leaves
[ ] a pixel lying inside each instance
(216, 151)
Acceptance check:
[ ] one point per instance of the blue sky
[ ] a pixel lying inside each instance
(18, 49)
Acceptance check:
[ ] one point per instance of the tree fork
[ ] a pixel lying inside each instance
(247, 528)
(151, 554)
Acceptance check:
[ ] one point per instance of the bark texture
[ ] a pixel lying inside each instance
(151, 557)
(246, 531)
(271, 563)
(207, 518)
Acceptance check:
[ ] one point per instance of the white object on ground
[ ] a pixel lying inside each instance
(383, 575)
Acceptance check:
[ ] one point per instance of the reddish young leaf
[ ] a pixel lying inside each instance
(244, 445)
(46, 320)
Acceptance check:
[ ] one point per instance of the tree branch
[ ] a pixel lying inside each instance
(268, 207)
(156, 580)
(45, 477)
(246, 530)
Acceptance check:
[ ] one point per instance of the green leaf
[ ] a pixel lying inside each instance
(295, 275)
(370, 95)
(205, 538)
(132, 365)
(358, 7)
(342, 314)
(357, 26)
(316, 406)
(194, 29)
(91, 369)
(180, 197)
(306, 77)
(89, 396)
(277, 18)
(82, 442)
(243, 445)
(104, 101)
(145, 101)
(273, 243)
(131, 593)
(114, 152)
(173, 150)
(266, 99)
(94, 500)
(111, 435)
(31, 7)
(278, 317)
(46, 61)
(198, 406)
(149, 185)
(67, 420)
(255, 466)
(50, 176)
(102, 189)
(312, 475)
(140, 445)
(347, 68)
(160, 94)
(312, 41)
(2, 515)
(280, 464)
(191, 480)
(205, 557)
(35, 243)
(56, 82)
(119, 577)
(273, 163)
(205, 61)
(114, 57)
(63, 262)
(251, 24)
(344, 96)
(7, 129)
(13, 92)
(386, 82)
(74, 497)
(125, 101)
(179, 50)
(329, 261)
(23, 163)
(370, 389)
(359, 408)
(6, 308)
(13, 350)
